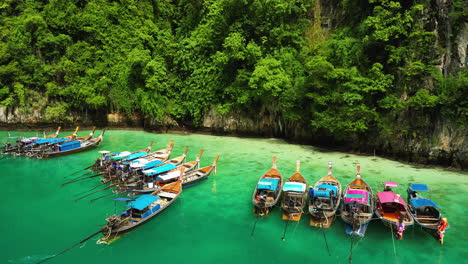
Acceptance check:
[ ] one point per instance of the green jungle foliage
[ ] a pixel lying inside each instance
(181, 58)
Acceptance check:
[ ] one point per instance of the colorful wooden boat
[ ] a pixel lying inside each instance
(357, 205)
(325, 199)
(106, 158)
(267, 191)
(392, 210)
(294, 196)
(425, 212)
(70, 147)
(196, 176)
(152, 179)
(141, 211)
(87, 137)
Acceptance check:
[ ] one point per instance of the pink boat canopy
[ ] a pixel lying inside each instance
(358, 196)
(390, 197)
(391, 184)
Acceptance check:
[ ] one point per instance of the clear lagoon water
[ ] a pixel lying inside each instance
(212, 221)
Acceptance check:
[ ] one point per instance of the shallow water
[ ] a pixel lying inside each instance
(212, 221)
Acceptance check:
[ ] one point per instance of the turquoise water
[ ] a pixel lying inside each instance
(212, 221)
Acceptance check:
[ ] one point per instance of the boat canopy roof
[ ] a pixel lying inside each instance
(69, 143)
(419, 187)
(136, 155)
(418, 202)
(391, 184)
(135, 161)
(152, 164)
(143, 201)
(51, 140)
(268, 184)
(31, 139)
(358, 196)
(324, 190)
(169, 176)
(158, 170)
(120, 155)
(294, 187)
(390, 197)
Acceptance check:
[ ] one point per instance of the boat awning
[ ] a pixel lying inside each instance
(268, 184)
(419, 187)
(120, 155)
(31, 139)
(327, 187)
(159, 170)
(169, 176)
(418, 202)
(136, 155)
(390, 197)
(43, 141)
(152, 164)
(143, 201)
(294, 187)
(358, 196)
(391, 184)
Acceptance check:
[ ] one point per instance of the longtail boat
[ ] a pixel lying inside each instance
(135, 171)
(357, 206)
(325, 198)
(294, 196)
(141, 210)
(73, 136)
(193, 177)
(71, 147)
(106, 159)
(24, 143)
(392, 210)
(156, 177)
(267, 191)
(425, 212)
(87, 137)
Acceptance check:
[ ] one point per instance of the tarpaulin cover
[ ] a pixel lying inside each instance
(70, 145)
(31, 139)
(152, 164)
(359, 196)
(142, 161)
(121, 155)
(268, 184)
(418, 202)
(143, 201)
(58, 140)
(294, 187)
(390, 197)
(169, 176)
(43, 141)
(136, 155)
(323, 190)
(158, 170)
(419, 187)
(151, 211)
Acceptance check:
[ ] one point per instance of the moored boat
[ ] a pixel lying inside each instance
(357, 205)
(426, 212)
(294, 196)
(324, 200)
(141, 210)
(392, 210)
(71, 147)
(267, 191)
(196, 176)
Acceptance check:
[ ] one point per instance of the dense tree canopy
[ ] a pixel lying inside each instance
(180, 58)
